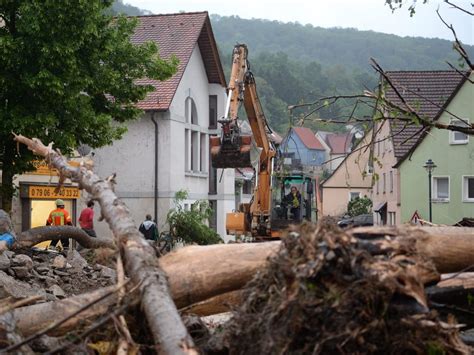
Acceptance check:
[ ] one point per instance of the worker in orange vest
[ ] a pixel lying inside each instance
(59, 217)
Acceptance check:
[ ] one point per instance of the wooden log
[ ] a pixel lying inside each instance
(35, 318)
(141, 264)
(197, 273)
(450, 248)
(215, 305)
(37, 235)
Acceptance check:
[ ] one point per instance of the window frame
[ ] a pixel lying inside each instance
(465, 189)
(453, 141)
(434, 189)
(354, 192)
(391, 181)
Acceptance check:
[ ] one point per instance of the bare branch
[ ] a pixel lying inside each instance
(458, 45)
(467, 129)
(466, 76)
(459, 7)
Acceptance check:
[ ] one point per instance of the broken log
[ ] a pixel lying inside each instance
(215, 305)
(35, 318)
(141, 263)
(37, 235)
(450, 248)
(197, 273)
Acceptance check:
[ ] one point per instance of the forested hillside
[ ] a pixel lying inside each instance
(294, 63)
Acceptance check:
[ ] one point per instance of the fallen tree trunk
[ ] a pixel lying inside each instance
(141, 263)
(197, 273)
(37, 235)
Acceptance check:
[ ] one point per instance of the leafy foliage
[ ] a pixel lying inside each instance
(359, 206)
(190, 225)
(68, 75)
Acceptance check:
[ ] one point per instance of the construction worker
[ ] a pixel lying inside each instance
(293, 200)
(59, 217)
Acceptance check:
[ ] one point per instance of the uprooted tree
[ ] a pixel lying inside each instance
(67, 75)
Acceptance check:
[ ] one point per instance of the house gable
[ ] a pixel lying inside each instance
(177, 35)
(429, 92)
(454, 162)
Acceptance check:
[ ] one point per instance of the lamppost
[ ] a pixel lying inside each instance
(429, 166)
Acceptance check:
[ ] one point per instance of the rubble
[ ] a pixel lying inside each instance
(323, 293)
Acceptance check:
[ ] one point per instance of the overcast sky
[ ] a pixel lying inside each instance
(360, 14)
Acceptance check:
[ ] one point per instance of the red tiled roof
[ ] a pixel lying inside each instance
(177, 34)
(429, 92)
(308, 138)
(340, 143)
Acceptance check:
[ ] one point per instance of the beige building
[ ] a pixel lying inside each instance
(386, 196)
(351, 179)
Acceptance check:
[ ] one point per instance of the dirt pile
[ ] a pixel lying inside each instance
(325, 293)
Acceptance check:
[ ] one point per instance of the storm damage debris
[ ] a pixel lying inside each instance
(324, 293)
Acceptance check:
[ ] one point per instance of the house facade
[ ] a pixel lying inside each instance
(401, 151)
(305, 151)
(337, 146)
(348, 181)
(167, 150)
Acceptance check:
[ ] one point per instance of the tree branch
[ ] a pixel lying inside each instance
(37, 235)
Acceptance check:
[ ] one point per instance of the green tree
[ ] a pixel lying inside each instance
(359, 206)
(68, 75)
(190, 225)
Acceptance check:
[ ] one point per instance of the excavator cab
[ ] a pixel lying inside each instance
(290, 207)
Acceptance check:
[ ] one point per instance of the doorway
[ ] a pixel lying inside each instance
(39, 213)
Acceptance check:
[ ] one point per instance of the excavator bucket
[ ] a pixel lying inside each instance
(228, 155)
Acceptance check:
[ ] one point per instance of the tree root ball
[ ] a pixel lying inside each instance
(323, 293)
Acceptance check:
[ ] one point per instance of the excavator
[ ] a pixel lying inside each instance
(268, 212)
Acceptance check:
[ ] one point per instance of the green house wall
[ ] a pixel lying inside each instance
(451, 160)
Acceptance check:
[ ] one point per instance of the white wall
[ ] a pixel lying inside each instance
(132, 158)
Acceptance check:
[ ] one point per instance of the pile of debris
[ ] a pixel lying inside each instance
(29, 272)
(326, 292)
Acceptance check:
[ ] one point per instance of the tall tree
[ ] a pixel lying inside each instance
(67, 75)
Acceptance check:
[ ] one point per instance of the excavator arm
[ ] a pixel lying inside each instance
(232, 150)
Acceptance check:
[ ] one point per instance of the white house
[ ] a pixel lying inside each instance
(167, 150)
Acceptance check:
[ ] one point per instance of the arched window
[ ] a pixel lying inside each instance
(191, 111)
(196, 145)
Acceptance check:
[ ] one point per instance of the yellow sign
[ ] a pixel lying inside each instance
(48, 192)
(42, 168)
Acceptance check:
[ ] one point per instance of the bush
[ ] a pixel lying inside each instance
(359, 206)
(190, 226)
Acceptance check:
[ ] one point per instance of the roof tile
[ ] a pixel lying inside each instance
(340, 143)
(308, 138)
(177, 34)
(428, 92)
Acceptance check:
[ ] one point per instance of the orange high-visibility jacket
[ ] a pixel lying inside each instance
(59, 217)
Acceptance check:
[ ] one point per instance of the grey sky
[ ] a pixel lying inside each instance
(360, 14)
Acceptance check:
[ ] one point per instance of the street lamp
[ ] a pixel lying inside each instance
(429, 166)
